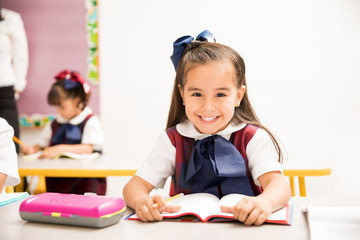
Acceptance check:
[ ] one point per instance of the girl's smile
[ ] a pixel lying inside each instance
(208, 120)
(210, 96)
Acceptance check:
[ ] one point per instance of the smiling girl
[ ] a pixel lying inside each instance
(214, 142)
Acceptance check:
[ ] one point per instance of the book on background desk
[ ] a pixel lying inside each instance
(6, 198)
(205, 207)
(64, 155)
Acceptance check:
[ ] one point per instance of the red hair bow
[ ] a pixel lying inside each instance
(73, 79)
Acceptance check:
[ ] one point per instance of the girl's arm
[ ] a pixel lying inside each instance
(54, 151)
(255, 210)
(2, 181)
(136, 195)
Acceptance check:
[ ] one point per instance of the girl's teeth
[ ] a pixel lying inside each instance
(208, 119)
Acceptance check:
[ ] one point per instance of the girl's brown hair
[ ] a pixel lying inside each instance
(57, 93)
(201, 53)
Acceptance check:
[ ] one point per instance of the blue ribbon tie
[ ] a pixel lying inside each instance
(67, 133)
(216, 163)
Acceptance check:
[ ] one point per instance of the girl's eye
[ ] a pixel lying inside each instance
(220, 95)
(196, 94)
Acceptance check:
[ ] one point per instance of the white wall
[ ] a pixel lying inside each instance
(302, 58)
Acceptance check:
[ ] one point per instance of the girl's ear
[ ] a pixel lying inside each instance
(79, 104)
(240, 95)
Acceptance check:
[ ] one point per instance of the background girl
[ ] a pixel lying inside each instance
(214, 142)
(75, 129)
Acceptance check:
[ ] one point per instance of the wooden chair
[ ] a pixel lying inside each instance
(301, 174)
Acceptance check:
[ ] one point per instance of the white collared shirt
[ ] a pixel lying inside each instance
(92, 133)
(8, 156)
(14, 59)
(260, 151)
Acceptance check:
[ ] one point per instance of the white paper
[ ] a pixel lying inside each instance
(333, 222)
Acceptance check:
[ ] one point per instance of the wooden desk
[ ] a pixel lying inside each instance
(14, 228)
(98, 167)
(70, 168)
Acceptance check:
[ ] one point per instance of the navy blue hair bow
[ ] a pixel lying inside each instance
(181, 43)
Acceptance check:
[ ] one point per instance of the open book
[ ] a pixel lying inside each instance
(205, 207)
(65, 155)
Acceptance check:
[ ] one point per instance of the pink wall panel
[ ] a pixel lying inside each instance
(56, 32)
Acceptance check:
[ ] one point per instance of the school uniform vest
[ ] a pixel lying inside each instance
(72, 134)
(218, 186)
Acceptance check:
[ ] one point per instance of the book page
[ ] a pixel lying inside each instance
(227, 200)
(32, 156)
(89, 156)
(64, 155)
(279, 216)
(199, 204)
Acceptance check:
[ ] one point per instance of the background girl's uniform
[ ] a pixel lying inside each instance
(8, 156)
(90, 132)
(260, 153)
(13, 65)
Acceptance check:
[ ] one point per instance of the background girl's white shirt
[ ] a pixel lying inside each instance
(14, 58)
(260, 151)
(92, 134)
(8, 156)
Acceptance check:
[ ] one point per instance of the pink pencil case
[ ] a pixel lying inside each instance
(73, 209)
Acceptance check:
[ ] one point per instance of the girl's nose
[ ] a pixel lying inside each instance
(208, 104)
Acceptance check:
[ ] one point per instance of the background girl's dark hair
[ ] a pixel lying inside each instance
(57, 93)
(199, 53)
(1, 17)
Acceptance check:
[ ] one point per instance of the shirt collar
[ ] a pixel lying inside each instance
(187, 129)
(76, 120)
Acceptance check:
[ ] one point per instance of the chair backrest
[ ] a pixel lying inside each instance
(301, 174)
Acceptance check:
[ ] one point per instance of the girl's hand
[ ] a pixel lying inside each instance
(52, 152)
(28, 150)
(148, 211)
(250, 210)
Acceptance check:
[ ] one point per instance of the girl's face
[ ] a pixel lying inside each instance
(69, 108)
(210, 96)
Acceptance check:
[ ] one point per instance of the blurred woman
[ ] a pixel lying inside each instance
(13, 65)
